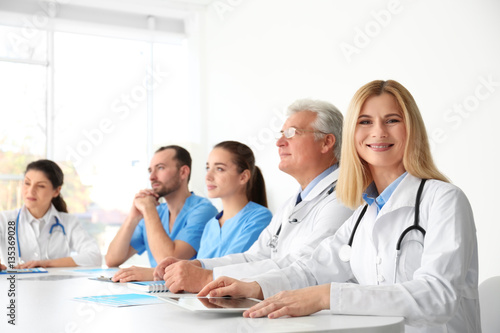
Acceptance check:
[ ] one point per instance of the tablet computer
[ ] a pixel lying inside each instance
(211, 304)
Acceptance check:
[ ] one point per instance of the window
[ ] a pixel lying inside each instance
(23, 125)
(98, 105)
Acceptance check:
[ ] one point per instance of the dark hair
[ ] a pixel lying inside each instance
(245, 160)
(55, 175)
(182, 156)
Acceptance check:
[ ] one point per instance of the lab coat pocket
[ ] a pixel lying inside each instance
(411, 259)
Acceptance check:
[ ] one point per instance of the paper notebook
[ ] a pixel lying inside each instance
(23, 270)
(149, 286)
(121, 300)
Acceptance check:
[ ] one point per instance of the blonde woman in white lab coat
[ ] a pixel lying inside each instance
(41, 233)
(432, 280)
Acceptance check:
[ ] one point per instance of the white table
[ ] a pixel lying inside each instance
(45, 305)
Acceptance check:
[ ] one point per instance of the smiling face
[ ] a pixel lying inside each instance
(222, 178)
(380, 135)
(38, 192)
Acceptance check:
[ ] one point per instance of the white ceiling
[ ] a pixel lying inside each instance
(169, 8)
(197, 2)
(172, 16)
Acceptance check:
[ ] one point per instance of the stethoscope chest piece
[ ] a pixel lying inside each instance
(345, 253)
(273, 243)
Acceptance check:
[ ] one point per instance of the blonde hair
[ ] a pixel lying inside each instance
(355, 176)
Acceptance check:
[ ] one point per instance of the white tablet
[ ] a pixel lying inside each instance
(211, 304)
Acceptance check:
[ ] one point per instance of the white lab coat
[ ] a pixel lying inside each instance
(77, 243)
(437, 276)
(295, 239)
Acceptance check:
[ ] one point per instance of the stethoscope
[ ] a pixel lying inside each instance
(296, 216)
(55, 225)
(346, 249)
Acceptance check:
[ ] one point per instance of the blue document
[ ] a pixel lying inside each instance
(95, 270)
(121, 299)
(24, 270)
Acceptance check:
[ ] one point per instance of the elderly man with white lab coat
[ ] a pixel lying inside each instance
(309, 149)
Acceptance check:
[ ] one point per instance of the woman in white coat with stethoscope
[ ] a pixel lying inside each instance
(41, 233)
(409, 250)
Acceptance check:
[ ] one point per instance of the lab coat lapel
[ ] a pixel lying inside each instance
(27, 238)
(404, 195)
(323, 185)
(292, 208)
(50, 220)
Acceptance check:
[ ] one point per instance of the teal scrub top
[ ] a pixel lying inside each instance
(237, 234)
(188, 225)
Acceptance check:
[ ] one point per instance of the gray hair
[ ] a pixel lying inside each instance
(328, 119)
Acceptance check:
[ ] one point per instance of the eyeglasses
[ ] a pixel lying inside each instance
(291, 131)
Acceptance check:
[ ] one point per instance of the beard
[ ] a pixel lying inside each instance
(168, 188)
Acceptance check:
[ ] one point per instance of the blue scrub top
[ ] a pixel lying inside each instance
(237, 234)
(188, 225)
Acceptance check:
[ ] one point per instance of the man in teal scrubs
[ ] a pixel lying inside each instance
(173, 228)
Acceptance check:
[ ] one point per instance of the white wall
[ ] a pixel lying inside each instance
(258, 56)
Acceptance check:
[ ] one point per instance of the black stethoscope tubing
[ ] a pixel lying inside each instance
(415, 226)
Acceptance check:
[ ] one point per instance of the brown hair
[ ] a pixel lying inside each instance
(182, 156)
(244, 159)
(55, 175)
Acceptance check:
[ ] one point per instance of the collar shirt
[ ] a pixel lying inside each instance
(37, 224)
(371, 194)
(316, 180)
